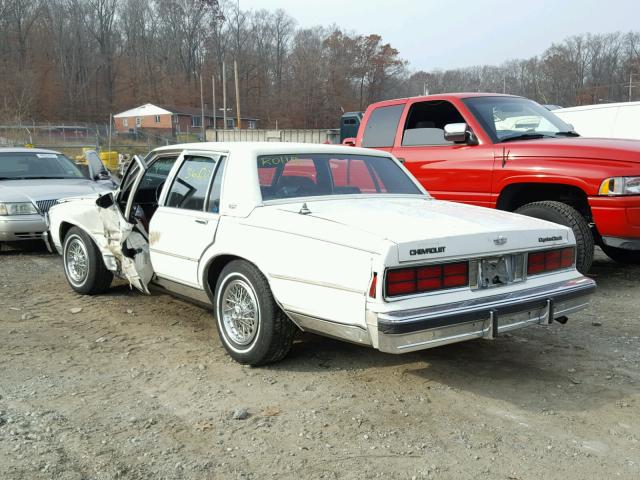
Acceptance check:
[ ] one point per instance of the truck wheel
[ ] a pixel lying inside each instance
(83, 265)
(253, 329)
(558, 212)
(621, 255)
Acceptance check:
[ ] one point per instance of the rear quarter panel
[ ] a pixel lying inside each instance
(307, 275)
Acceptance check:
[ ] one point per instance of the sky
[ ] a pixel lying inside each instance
(440, 34)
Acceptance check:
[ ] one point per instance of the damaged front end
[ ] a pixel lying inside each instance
(125, 246)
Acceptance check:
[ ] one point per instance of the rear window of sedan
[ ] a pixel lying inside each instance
(26, 165)
(313, 175)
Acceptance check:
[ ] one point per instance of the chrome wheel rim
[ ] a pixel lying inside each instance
(77, 260)
(240, 313)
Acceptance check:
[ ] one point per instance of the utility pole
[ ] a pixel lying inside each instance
(224, 98)
(631, 85)
(202, 126)
(213, 94)
(235, 69)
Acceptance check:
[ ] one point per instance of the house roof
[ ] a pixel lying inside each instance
(153, 109)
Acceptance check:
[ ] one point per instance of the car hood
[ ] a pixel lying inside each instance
(422, 228)
(575, 147)
(38, 190)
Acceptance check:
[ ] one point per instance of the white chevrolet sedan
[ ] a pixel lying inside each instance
(340, 241)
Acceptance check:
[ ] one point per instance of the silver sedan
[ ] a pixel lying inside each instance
(32, 180)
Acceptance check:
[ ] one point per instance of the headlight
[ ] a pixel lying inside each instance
(620, 186)
(22, 208)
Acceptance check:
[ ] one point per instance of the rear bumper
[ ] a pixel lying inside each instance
(616, 217)
(409, 330)
(22, 227)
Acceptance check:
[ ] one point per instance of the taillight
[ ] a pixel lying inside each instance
(374, 284)
(551, 260)
(407, 281)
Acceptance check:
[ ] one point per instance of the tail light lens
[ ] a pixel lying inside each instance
(373, 286)
(408, 281)
(551, 260)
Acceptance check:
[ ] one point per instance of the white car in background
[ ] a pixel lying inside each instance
(340, 241)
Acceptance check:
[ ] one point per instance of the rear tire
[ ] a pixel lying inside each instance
(620, 255)
(83, 266)
(252, 327)
(558, 212)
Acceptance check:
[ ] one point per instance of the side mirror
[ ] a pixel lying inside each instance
(458, 133)
(105, 201)
(350, 141)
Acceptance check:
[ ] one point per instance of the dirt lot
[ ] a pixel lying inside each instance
(140, 387)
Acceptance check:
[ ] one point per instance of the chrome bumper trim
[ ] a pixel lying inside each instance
(408, 321)
(537, 306)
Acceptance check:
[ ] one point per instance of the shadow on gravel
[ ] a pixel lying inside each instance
(22, 248)
(608, 273)
(524, 372)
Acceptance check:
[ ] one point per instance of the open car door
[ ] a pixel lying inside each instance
(97, 170)
(127, 239)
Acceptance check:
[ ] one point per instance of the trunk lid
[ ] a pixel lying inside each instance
(426, 229)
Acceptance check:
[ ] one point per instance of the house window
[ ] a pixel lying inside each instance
(196, 121)
(252, 124)
(157, 118)
(231, 123)
(125, 122)
(138, 121)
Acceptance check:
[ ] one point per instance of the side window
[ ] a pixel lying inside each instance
(381, 127)
(425, 123)
(216, 188)
(190, 186)
(158, 172)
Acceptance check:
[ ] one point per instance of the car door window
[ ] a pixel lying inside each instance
(216, 188)
(425, 123)
(189, 188)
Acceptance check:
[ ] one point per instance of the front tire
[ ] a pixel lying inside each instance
(558, 212)
(620, 255)
(252, 327)
(83, 266)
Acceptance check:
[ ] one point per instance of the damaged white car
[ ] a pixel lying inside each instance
(334, 240)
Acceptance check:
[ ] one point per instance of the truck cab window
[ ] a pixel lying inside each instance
(425, 123)
(381, 127)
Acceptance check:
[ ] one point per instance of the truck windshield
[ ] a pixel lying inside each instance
(313, 175)
(34, 165)
(515, 118)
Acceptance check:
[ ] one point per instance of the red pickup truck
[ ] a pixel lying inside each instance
(510, 153)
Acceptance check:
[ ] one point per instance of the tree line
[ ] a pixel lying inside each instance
(80, 60)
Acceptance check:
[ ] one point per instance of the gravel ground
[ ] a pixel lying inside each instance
(139, 387)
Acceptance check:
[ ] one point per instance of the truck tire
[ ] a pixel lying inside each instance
(83, 266)
(621, 255)
(558, 212)
(252, 327)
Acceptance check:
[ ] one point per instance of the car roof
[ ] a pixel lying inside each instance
(26, 150)
(252, 149)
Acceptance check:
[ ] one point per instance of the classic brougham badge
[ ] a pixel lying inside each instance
(276, 238)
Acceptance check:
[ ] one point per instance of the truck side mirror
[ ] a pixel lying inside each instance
(456, 132)
(349, 141)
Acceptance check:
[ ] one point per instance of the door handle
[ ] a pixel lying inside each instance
(202, 221)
